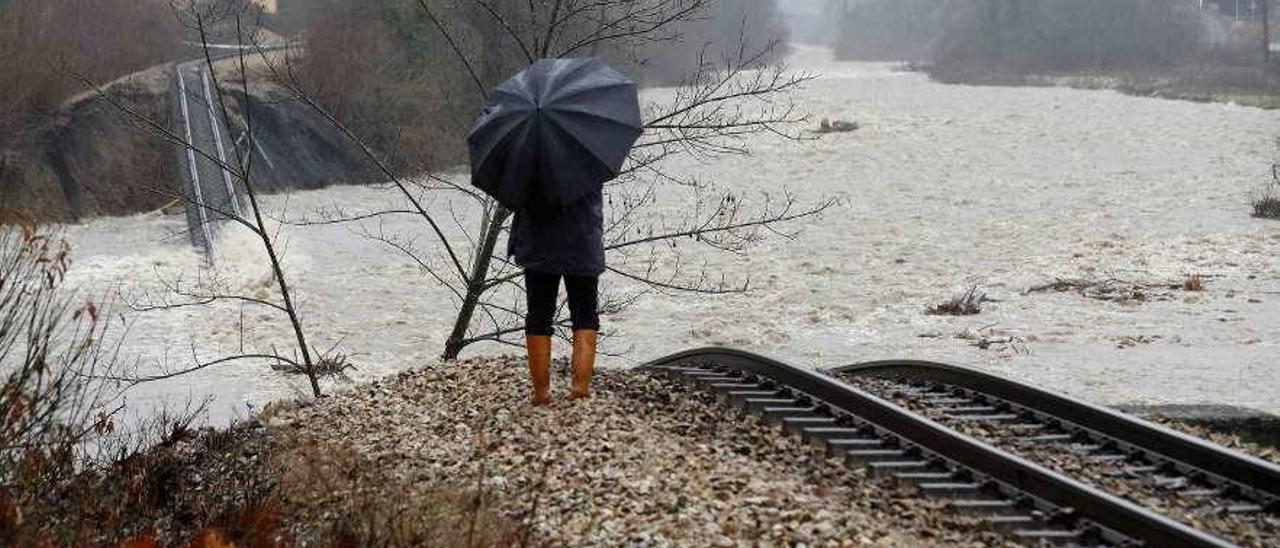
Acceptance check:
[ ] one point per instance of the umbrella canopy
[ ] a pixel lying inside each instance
(553, 133)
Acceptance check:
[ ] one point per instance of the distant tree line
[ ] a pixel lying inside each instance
(900, 30)
(1021, 35)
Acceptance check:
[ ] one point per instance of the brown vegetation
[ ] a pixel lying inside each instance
(65, 156)
(246, 487)
(373, 66)
(41, 42)
(52, 348)
(1058, 35)
(383, 70)
(71, 473)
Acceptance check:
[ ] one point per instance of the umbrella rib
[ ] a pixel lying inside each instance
(595, 115)
(577, 92)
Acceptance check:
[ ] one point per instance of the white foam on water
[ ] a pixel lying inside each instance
(946, 186)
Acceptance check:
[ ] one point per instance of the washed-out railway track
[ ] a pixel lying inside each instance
(1043, 467)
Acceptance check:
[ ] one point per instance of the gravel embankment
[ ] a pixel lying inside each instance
(1231, 441)
(644, 462)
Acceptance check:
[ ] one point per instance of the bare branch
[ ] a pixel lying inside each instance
(484, 92)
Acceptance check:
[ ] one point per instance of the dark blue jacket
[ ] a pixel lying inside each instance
(566, 242)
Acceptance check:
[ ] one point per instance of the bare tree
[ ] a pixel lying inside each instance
(302, 357)
(715, 110)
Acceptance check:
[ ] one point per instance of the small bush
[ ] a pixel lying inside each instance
(1193, 283)
(1266, 204)
(339, 497)
(1267, 207)
(52, 408)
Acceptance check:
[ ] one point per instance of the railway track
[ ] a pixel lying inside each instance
(1040, 466)
(213, 193)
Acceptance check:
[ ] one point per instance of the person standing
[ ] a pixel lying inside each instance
(543, 146)
(552, 244)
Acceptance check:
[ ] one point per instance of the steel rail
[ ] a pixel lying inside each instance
(217, 139)
(191, 163)
(1248, 472)
(213, 52)
(1090, 503)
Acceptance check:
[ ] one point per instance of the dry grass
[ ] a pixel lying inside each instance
(245, 486)
(345, 499)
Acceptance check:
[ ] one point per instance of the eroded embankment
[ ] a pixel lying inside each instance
(456, 450)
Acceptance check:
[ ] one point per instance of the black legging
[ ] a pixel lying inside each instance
(541, 289)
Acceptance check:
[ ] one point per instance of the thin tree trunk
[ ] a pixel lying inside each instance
(1266, 31)
(285, 293)
(475, 283)
(245, 176)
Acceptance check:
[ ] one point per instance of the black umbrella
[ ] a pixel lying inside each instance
(554, 132)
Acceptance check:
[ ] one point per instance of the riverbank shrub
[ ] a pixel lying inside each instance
(250, 485)
(51, 351)
(1266, 203)
(73, 472)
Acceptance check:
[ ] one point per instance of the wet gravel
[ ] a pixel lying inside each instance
(1118, 477)
(1264, 452)
(645, 462)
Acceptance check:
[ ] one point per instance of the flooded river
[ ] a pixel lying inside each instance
(942, 188)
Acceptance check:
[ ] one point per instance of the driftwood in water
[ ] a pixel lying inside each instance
(964, 304)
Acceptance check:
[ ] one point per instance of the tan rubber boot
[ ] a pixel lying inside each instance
(584, 360)
(539, 347)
